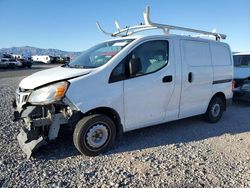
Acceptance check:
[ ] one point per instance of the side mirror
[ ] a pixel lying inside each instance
(134, 66)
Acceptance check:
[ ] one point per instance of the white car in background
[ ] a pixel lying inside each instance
(10, 63)
(242, 76)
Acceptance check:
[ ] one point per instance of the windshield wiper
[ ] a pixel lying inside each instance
(74, 66)
(78, 66)
(66, 65)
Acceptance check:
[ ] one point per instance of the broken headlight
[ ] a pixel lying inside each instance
(49, 94)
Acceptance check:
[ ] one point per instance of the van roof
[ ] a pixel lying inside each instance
(242, 53)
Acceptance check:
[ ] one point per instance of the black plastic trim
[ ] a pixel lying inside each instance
(222, 81)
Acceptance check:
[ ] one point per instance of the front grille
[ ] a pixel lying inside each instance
(22, 89)
(21, 98)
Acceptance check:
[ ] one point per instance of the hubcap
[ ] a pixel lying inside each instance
(97, 135)
(215, 110)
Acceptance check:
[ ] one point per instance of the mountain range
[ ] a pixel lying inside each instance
(28, 51)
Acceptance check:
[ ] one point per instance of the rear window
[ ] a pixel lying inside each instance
(242, 61)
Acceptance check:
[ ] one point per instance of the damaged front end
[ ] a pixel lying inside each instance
(41, 122)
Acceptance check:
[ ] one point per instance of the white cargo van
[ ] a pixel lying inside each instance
(124, 84)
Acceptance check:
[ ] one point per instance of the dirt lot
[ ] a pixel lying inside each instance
(185, 153)
(6, 73)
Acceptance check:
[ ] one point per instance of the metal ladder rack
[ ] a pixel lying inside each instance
(149, 25)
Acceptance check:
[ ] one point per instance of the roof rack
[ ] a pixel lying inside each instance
(149, 25)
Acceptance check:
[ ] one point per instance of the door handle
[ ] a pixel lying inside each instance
(168, 78)
(190, 77)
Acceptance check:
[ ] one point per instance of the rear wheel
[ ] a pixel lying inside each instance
(215, 110)
(94, 134)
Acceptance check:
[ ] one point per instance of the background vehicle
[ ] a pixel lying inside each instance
(25, 63)
(41, 58)
(125, 84)
(242, 76)
(11, 63)
(3, 64)
(47, 59)
(60, 60)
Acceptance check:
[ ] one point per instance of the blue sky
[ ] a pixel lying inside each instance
(70, 25)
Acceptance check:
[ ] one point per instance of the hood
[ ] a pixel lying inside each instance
(241, 72)
(51, 75)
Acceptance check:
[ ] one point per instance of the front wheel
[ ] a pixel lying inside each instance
(215, 110)
(94, 134)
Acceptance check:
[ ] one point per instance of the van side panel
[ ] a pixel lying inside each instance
(222, 68)
(90, 92)
(197, 77)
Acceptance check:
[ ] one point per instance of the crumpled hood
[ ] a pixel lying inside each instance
(51, 75)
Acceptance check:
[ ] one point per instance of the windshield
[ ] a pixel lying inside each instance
(99, 54)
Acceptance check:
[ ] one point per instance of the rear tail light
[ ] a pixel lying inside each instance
(233, 85)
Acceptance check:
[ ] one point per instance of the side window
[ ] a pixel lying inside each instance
(237, 60)
(245, 61)
(153, 55)
(120, 71)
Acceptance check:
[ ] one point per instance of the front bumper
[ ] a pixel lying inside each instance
(242, 89)
(241, 95)
(41, 124)
(29, 146)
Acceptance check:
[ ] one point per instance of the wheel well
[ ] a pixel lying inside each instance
(222, 96)
(112, 114)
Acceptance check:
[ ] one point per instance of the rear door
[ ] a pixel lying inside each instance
(197, 77)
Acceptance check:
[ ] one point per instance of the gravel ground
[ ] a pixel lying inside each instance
(185, 153)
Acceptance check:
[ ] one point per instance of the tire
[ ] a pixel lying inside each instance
(215, 110)
(12, 66)
(94, 134)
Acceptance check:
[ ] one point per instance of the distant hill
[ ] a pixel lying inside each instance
(27, 51)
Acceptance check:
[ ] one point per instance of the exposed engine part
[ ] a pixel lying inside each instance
(57, 120)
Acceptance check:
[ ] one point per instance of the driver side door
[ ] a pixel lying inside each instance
(147, 94)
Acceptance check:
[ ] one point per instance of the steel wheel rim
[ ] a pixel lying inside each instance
(215, 110)
(97, 135)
